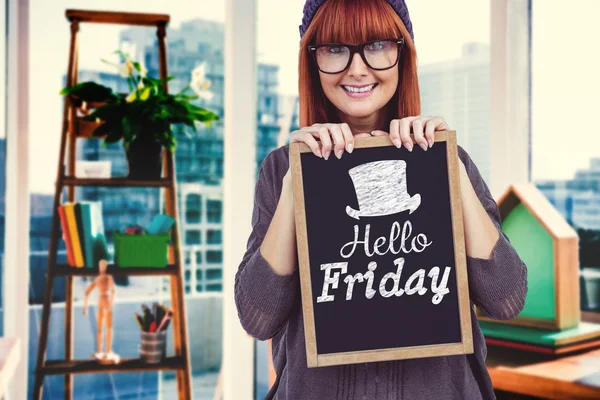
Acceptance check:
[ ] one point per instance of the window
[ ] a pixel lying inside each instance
(212, 274)
(569, 177)
(193, 237)
(213, 237)
(214, 287)
(193, 209)
(213, 257)
(213, 211)
(193, 34)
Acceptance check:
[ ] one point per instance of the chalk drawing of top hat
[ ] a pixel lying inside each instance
(381, 189)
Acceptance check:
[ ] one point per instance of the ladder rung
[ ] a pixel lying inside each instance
(124, 18)
(71, 181)
(61, 367)
(66, 270)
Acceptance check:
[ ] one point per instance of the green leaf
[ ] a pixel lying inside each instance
(137, 66)
(145, 93)
(91, 91)
(102, 130)
(114, 136)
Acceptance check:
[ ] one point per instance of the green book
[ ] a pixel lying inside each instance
(91, 227)
(544, 337)
(81, 217)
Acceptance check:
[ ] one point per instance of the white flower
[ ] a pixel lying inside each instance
(199, 82)
(204, 94)
(198, 74)
(125, 69)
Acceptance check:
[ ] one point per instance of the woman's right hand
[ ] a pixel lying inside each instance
(331, 137)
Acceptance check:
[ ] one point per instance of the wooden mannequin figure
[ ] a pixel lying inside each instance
(106, 296)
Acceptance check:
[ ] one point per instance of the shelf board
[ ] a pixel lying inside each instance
(116, 181)
(61, 367)
(66, 270)
(111, 17)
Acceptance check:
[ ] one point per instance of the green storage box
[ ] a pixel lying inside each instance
(141, 250)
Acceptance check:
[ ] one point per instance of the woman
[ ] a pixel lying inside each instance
(348, 92)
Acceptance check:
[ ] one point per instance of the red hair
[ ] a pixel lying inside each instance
(355, 21)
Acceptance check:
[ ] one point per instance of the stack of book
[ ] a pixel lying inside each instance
(83, 233)
(583, 336)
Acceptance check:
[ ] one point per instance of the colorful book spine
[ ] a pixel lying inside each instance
(74, 234)
(66, 236)
(79, 217)
(84, 220)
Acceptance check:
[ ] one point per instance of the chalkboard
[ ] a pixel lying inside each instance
(381, 252)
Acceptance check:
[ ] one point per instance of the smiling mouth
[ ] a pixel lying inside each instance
(363, 89)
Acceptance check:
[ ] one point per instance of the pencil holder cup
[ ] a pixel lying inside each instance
(153, 346)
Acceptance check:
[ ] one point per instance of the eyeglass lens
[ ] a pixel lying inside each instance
(379, 55)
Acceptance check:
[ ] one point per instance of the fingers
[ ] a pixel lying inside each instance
(325, 142)
(423, 131)
(429, 132)
(332, 137)
(417, 127)
(322, 139)
(348, 137)
(308, 138)
(338, 138)
(404, 133)
(395, 133)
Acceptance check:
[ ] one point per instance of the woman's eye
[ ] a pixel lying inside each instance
(375, 46)
(336, 49)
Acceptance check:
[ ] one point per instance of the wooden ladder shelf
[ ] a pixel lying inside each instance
(71, 131)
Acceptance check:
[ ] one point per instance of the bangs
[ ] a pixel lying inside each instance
(355, 21)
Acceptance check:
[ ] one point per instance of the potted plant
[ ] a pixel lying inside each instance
(144, 117)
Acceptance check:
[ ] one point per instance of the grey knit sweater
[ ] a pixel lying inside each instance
(497, 286)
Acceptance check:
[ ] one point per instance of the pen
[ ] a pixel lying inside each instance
(140, 321)
(148, 319)
(165, 322)
(155, 311)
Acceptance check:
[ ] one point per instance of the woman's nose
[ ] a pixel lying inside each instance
(358, 66)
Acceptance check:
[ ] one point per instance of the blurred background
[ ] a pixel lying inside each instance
(519, 87)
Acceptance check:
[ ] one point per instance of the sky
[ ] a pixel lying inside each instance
(441, 27)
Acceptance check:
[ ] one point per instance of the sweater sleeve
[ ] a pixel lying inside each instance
(263, 298)
(498, 285)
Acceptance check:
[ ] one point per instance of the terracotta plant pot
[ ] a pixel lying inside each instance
(145, 160)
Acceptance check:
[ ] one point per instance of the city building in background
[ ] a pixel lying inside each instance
(459, 90)
(577, 199)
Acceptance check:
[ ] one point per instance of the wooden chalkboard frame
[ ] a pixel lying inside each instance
(465, 346)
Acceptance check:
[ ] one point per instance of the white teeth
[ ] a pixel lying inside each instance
(358, 90)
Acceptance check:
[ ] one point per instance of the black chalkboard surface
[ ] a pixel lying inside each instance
(381, 252)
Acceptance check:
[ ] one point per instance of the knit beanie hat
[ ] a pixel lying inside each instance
(311, 6)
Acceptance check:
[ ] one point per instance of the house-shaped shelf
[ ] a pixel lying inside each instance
(549, 247)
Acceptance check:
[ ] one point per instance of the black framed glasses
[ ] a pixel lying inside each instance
(333, 58)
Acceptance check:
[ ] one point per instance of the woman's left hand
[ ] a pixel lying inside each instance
(422, 127)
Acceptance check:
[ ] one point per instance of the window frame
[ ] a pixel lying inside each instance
(16, 256)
